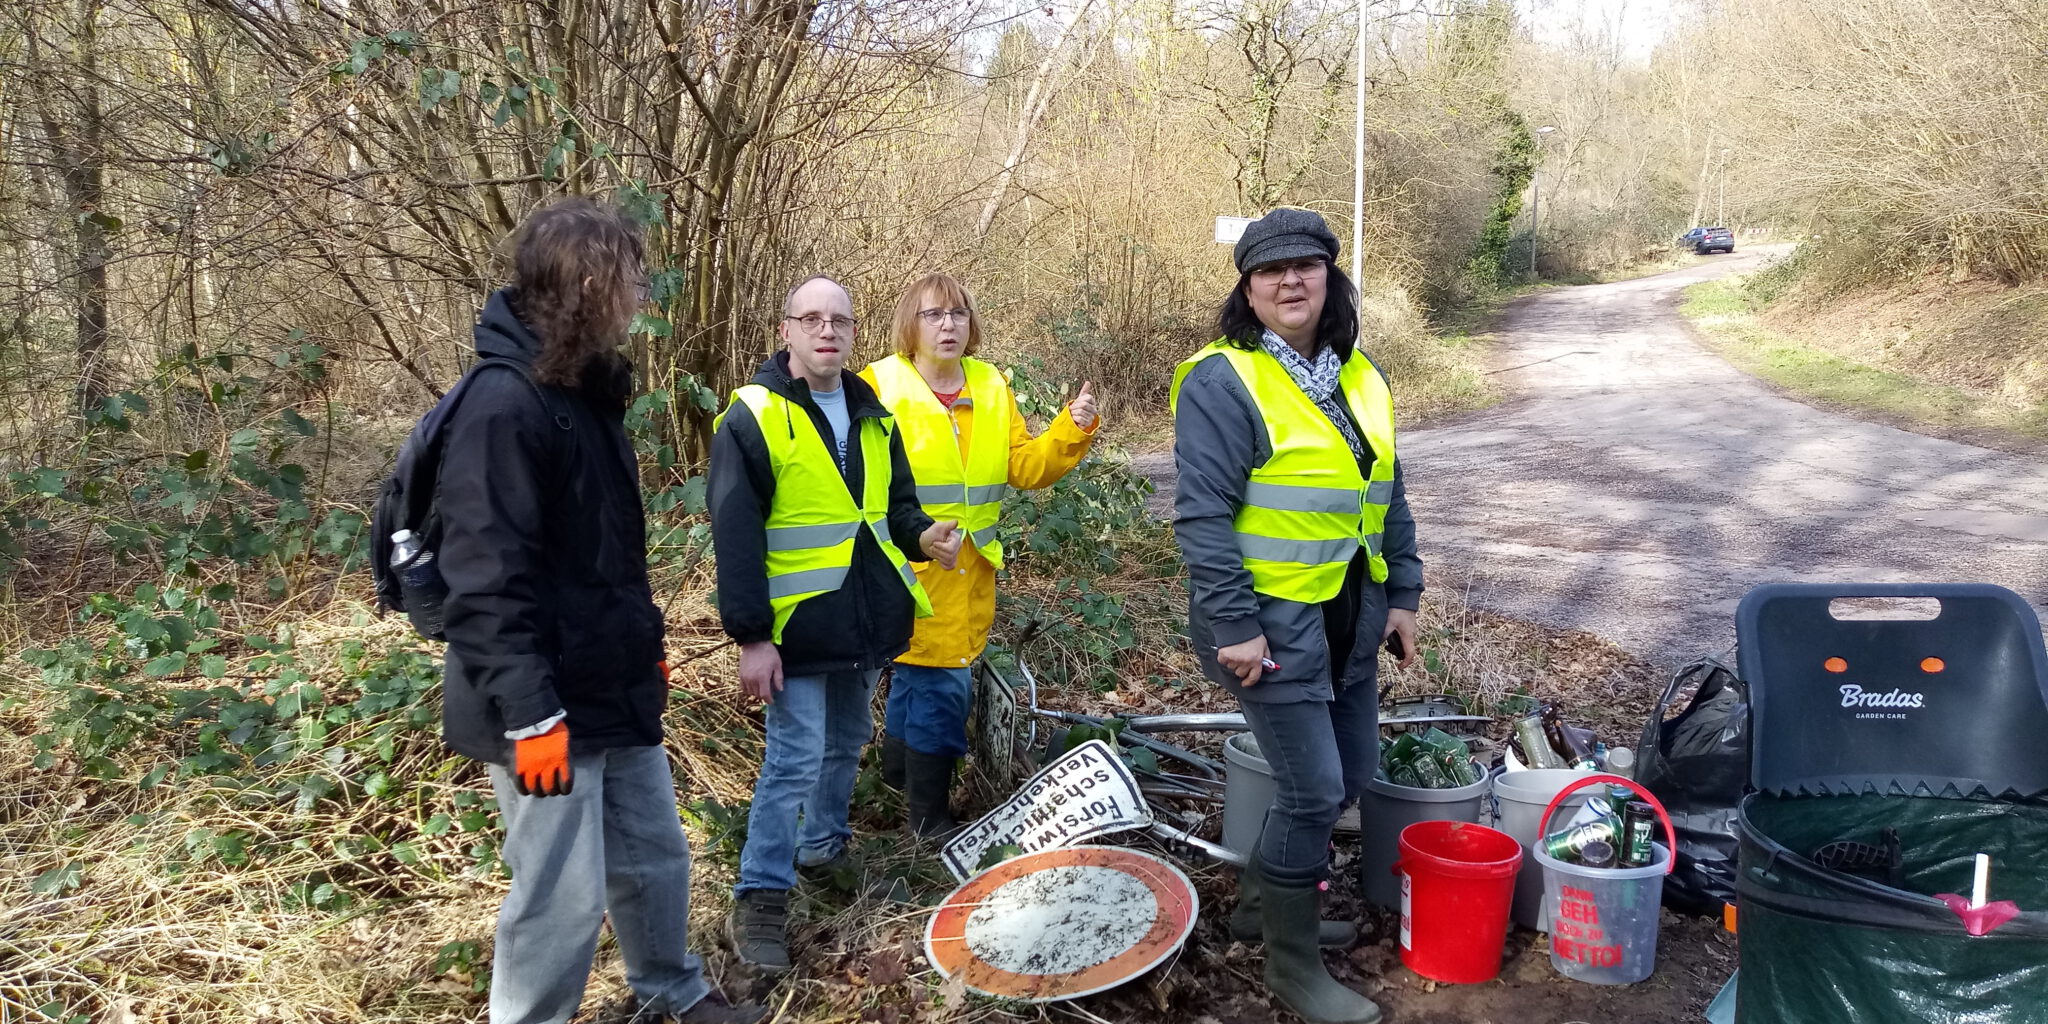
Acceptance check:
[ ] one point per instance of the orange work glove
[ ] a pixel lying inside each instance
(540, 766)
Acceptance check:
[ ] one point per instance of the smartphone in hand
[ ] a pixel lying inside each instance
(1395, 647)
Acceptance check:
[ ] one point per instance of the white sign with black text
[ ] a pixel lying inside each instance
(1086, 792)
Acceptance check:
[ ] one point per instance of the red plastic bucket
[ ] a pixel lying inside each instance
(1457, 885)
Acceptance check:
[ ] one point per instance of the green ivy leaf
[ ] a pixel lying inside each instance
(564, 147)
(652, 326)
(297, 423)
(437, 825)
(213, 666)
(59, 880)
(156, 775)
(165, 665)
(438, 86)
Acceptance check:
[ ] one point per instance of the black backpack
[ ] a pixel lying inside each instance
(405, 501)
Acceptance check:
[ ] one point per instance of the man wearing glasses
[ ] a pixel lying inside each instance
(815, 521)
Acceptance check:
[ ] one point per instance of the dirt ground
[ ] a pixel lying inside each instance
(860, 954)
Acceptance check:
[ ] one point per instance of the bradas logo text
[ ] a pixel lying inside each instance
(1854, 696)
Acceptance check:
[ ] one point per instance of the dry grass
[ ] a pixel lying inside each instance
(1909, 359)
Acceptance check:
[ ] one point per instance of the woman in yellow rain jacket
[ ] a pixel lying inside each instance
(968, 444)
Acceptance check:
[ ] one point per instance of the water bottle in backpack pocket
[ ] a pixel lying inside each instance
(419, 578)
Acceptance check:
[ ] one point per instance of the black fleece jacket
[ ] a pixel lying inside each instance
(864, 624)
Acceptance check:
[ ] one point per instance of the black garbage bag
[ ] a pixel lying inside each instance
(1698, 764)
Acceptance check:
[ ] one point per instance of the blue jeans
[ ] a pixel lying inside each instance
(613, 844)
(817, 726)
(927, 708)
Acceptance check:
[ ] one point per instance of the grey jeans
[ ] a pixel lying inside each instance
(1322, 753)
(614, 843)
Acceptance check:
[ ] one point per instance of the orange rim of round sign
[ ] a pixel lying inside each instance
(946, 934)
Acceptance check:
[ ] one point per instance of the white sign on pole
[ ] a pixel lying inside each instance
(1230, 229)
(1085, 793)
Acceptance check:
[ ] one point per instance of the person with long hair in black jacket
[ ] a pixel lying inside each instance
(554, 640)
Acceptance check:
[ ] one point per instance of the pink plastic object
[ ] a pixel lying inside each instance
(1980, 920)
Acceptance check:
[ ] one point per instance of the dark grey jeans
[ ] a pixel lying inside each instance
(1322, 753)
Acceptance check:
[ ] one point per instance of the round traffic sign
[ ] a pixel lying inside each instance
(1057, 924)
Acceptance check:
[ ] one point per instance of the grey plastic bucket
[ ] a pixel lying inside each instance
(1518, 802)
(1386, 809)
(1248, 792)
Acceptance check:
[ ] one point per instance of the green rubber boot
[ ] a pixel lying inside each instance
(1294, 964)
(1247, 926)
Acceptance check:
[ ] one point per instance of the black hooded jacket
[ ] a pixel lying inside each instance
(544, 548)
(864, 624)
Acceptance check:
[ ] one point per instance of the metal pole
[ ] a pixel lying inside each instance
(1358, 160)
(1534, 194)
(1721, 212)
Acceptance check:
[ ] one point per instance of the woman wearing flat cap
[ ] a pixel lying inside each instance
(1301, 561)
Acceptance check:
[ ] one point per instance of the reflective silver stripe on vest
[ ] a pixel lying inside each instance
(1379, 492)
(1372, 543)
(1283, 498)
(909, 574)
(984, 538)
(797, 538)
(809, 581)
(1304, 552)
(881, 528)
(987, 493)
(941, 494)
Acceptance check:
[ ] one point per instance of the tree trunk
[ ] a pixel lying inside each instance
(74, 129)
(1040, 95)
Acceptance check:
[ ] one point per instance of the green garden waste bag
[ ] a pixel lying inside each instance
(1822, 946)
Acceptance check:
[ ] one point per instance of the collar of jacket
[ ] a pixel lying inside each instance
(499, 331)
(861, 400)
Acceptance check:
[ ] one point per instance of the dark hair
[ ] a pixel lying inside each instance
(578, 271)
(1337, 328)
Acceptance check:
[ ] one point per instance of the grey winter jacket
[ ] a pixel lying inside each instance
(1218, 437)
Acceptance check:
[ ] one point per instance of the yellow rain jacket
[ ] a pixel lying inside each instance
(964, 599)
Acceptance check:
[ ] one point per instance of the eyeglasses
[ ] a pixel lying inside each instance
(935, 317)
(812, 323)
(1303, 268)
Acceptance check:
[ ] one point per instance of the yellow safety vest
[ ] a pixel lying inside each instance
(1307, 509)
(812, 519)
(970, 490)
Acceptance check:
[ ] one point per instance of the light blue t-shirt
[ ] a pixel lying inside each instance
(833, 405)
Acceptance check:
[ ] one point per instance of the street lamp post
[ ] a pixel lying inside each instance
(1535, 193)
(1721, 209)
(1358, 161)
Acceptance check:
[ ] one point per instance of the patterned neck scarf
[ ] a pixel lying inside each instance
(1317, 378)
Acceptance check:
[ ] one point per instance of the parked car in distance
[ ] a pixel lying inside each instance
(1690, 238)
(1713, 240)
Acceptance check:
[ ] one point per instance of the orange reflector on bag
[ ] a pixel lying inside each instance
(1932, 665)
(1835, 665)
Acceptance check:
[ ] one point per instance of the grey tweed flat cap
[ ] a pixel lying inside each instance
(1288, 233)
